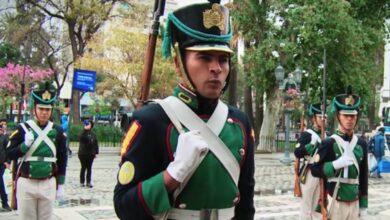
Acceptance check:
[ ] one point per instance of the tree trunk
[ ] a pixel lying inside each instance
(232, 87)
(272, 113)
(259, 114)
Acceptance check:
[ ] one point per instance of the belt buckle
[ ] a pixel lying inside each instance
(208, 214)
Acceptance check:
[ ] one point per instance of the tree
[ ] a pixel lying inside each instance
(14, 77)
(81, 20)
(299, 32)
(9, 54)
(117, 54)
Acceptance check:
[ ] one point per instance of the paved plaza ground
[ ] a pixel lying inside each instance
(274, 198)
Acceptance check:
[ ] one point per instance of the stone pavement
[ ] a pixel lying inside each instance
(274, 198)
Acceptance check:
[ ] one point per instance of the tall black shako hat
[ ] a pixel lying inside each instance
(43, 95)
(198, 27)
(314, 109)
(347, 103)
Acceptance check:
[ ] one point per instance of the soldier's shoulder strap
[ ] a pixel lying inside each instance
(192, 121)
(344, 146)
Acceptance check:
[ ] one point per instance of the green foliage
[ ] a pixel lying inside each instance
(300, 31)
(103, 133)
(9, 54)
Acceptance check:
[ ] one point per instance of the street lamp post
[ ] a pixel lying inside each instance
(294, 79)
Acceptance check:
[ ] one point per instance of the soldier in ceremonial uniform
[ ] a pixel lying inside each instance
(307, 146)
(342, 160)
(40, 147)
(190, 156)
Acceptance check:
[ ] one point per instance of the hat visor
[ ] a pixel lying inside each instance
(209, 47)
(320, 115)
(348, 112)
(44, 106)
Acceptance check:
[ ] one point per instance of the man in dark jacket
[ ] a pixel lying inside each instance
(88, 149)
(378, 149)
(4, 163)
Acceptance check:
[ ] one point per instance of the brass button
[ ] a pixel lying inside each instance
(242, 151)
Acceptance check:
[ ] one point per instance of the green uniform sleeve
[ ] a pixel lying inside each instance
(328, 169)
(363, 202)
(310, 149)
(156, 195)
(60, 179)
(23, 148)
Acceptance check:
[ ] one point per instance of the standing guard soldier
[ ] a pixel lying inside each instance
(307, 147)
(342, 160)
(40, 147)
(190, 156)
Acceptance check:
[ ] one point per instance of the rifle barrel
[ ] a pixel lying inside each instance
(146, 76)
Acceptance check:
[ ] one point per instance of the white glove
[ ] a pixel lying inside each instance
(28, 138)
(363, 212)
(190, 148)
(60, 192)
(343, 161)
(315, 139)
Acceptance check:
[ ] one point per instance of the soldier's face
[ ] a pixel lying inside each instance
(208, 71)
(347, 122)
(42, 114)
(318, 121)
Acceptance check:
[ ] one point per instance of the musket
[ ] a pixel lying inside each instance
(323, 193)
(297, 185)
(159, 6)
(14, 168)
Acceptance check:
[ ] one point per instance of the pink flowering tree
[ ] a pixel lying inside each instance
(291, 99)
(13, 76)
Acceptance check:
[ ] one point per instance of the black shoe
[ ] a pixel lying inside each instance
(82, 185)
(89, 185)
(7, 208)
(379, 176)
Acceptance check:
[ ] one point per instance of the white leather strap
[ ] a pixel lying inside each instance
(223, 214)
(344, 180)
(45, 159)
(42, 135)
(347, 147)
(313, 133)
(192, 121)
(218, 119)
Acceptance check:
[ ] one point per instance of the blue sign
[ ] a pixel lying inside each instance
(84, 80)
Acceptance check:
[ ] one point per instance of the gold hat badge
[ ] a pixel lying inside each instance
(349, 100)
(46, 95)
(214, 17)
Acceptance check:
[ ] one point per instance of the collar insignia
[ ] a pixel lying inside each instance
(46, 95)
(349, 100)
(214, 17)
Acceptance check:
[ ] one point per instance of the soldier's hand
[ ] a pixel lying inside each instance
(28, 138)
(190, 148)
(343, 161)
(60, 192)
(363, 213)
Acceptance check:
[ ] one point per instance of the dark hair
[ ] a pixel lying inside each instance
(3, 120)
(89, 121)
(381, 129)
